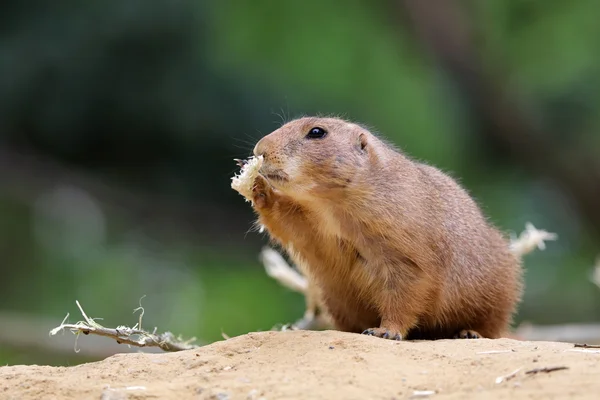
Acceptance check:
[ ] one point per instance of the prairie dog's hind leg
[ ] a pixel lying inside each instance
(467, 334)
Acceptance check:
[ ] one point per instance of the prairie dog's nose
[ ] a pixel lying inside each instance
(256, 150)
(260, 148)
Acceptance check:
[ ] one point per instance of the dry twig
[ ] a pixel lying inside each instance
(587, 346)
(546, 369)
(134, 336)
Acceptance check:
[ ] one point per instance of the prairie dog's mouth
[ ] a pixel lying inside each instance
(274, 175)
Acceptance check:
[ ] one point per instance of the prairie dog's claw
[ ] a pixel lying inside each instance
(467, 334)
(240, 163)
(382, 333)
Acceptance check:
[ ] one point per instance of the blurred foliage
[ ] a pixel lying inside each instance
(152, 99)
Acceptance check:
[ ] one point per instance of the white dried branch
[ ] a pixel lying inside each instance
(278, 269)
(125, 335)
(530, 239)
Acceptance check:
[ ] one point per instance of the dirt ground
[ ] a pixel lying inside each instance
(322, 365)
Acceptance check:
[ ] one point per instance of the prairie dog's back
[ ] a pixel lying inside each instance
(477, 254)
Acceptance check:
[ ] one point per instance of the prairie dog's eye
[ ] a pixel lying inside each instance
(316, 133)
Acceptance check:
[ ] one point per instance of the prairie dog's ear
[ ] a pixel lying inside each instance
(362, 142)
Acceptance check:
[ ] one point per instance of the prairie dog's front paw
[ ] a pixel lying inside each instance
(262, 193)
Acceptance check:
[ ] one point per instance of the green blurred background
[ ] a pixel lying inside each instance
(119, 121)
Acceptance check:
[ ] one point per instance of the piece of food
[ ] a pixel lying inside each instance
(244, 181)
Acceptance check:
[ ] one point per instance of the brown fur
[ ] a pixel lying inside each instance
(396, 248)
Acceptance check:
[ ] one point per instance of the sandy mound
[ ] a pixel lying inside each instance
(320, 365)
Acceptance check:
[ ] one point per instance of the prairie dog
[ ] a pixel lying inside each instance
(394, 248)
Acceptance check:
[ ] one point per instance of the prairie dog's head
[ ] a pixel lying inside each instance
(314, 156)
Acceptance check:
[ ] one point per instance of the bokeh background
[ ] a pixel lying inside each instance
(119, 121)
